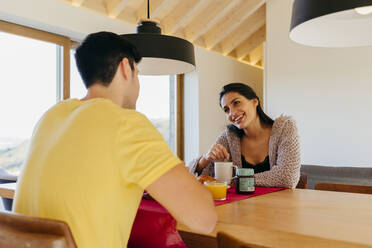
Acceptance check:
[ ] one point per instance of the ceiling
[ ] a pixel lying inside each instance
(233, 28)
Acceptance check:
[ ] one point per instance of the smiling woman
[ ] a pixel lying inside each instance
(254, 140)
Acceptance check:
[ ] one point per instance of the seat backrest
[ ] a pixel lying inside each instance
(302, 183)
(227, 241)
(6, 177)
(344, 188)
(22, 231)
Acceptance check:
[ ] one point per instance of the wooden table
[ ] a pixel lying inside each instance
(298, 218)
(291, 218)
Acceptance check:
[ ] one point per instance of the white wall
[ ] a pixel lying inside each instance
(328, 91)
(204, 120)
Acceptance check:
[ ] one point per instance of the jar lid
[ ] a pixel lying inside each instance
(244, 172)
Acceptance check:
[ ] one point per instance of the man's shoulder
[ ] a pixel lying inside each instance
(99, 107)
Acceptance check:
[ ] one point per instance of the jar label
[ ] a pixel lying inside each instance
(246, 184)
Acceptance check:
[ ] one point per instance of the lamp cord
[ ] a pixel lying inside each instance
(148, 9)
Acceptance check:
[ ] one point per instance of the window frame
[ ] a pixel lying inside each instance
(179, 102)
(63, 82)
(180, 123)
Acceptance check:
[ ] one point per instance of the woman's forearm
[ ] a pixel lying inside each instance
(203, 162)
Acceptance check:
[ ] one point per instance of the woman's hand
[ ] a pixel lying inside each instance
(216, 153)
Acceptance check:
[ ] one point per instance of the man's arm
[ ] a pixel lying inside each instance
(185, 198)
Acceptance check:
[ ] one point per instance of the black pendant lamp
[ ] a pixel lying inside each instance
(161, 54)
(332, 23)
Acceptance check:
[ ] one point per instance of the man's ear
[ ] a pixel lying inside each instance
(125, 68)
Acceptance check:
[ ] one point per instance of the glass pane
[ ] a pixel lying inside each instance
(28, 89)
(77, 88)
(156, 101)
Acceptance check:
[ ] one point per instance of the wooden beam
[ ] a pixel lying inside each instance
(77, 3)
(115, 7)
(246, 29)
(260, 63)
(256, 55)
(229, 23)
(210, 16)
(183, 14)
(251, 43)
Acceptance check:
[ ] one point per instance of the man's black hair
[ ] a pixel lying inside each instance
(99, 55)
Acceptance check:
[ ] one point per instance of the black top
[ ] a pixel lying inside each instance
(260, 167)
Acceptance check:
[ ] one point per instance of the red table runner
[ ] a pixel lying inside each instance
(232, 196)
(154, 227)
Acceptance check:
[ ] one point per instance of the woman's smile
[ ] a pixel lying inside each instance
(238, 119)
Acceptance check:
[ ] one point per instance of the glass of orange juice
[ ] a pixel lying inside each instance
(218, 189)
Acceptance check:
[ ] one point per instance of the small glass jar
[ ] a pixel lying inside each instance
(244, 181)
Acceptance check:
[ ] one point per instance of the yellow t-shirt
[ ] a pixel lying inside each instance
(88, 164)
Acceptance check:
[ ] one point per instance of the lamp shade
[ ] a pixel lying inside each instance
(161, 54)
(331, 23)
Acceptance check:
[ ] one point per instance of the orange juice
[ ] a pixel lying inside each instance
(218, 189)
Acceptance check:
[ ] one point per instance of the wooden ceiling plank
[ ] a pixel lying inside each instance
(142, 9)
(135, 4)
(115, 7)
(95, 6)
(183, 15)
(198, 21)
(205, 20)
(128, 15)
(77, 3)
(163, 9)
(251, 43)
(245, 30)
(256, 55)
(230, 22)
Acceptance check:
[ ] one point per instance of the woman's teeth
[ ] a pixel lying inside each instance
(238, 118)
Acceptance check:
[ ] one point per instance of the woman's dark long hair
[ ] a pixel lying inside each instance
(248, 93)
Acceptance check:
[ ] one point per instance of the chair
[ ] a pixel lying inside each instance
(344, 188)
(22, 231)
(302, 183)
(226, 241)
(7, 178)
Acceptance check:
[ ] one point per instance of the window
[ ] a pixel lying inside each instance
(77, 88)
(157, 100)
(36, 70)
(31, 82)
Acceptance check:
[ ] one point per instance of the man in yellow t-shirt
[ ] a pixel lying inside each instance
(91, 159)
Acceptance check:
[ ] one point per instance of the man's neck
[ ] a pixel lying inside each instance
(101, 91)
